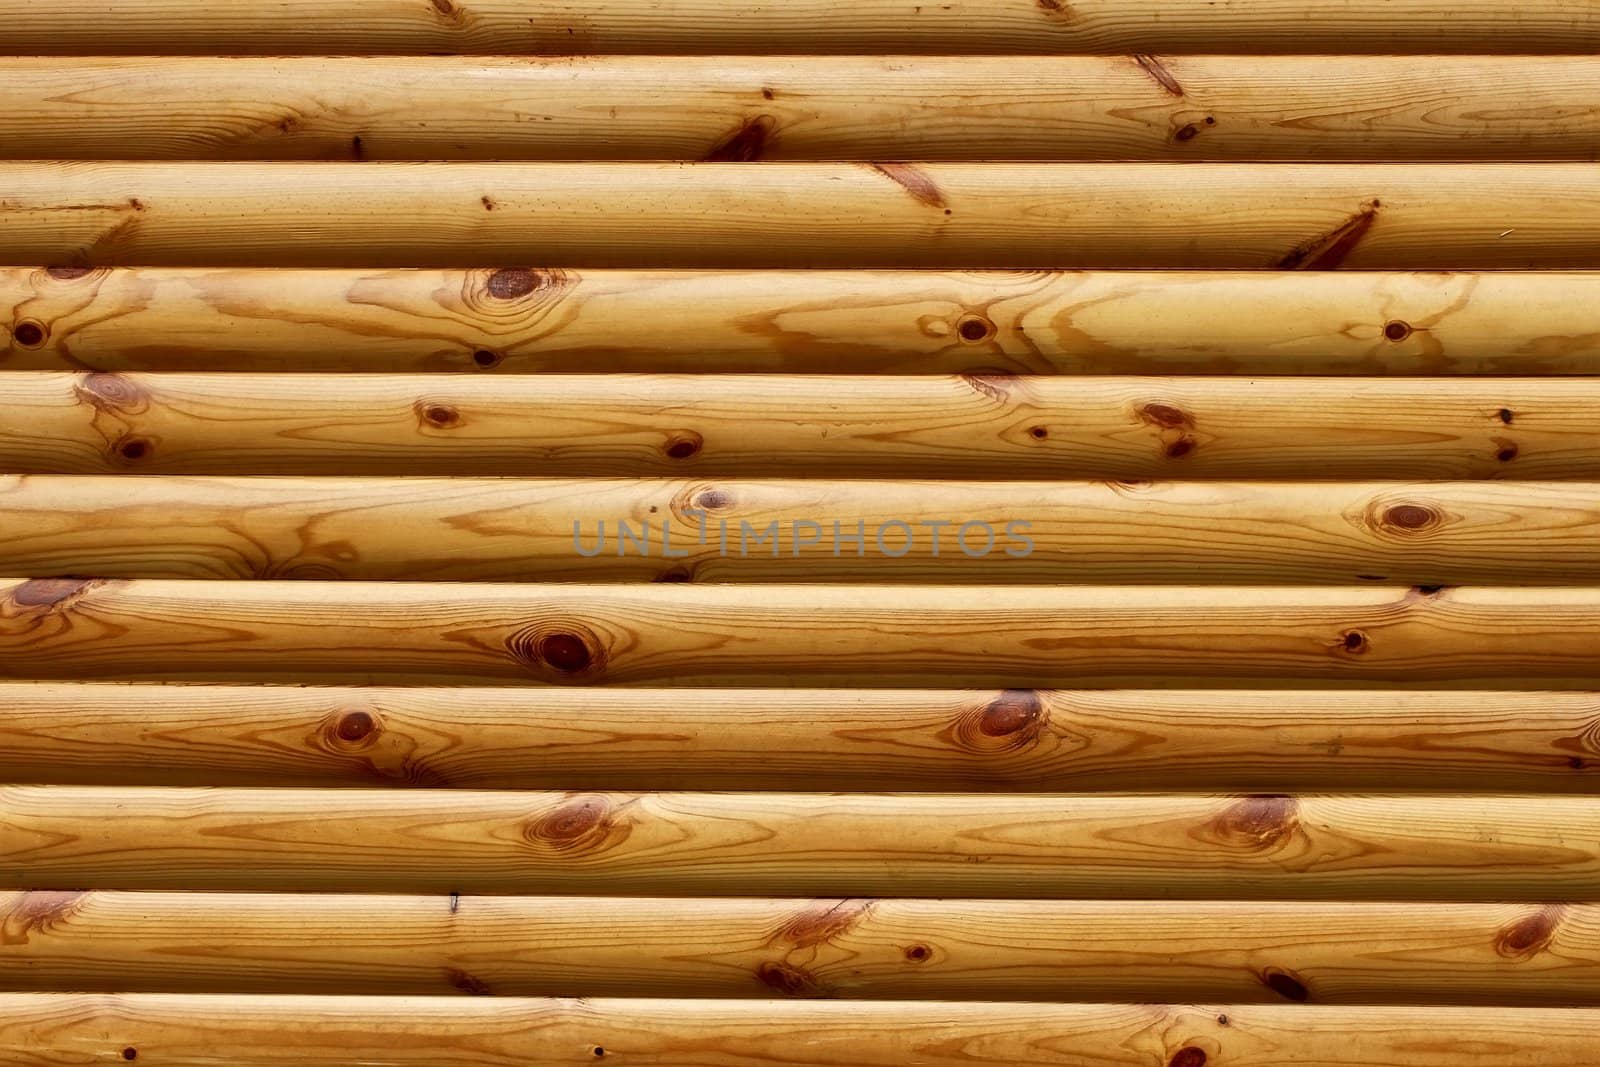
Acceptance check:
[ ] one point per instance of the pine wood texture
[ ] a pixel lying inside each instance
(748, 739)
(46, 1030)
(1173, 108)
(833, 739)
(1322, 952)
(699, 27)
(987, 636)
(1301, 216)
(981, 426)
(1468, 847)
(523, 319)
(1133, 479)
(937, 532)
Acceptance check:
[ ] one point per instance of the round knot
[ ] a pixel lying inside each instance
(565, 652)
(355, 726)
(509, 283)
(1410, 517)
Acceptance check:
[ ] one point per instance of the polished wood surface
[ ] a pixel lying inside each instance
(45, 1030)
(1477, 847)
(832, 739)
(698, 27)
(740, 109)
(978, 426)
(510, 320)
(679, 530)
(1132, 471)
(1044, 216)
(673, 633)
(1320, 952)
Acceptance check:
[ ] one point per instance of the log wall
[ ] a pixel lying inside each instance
(832, 534)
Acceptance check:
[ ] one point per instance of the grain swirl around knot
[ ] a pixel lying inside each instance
(507, 299)
(1012, 722)
(582, 825)
(563, 650)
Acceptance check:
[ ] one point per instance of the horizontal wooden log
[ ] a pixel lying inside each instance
(1142, 951)
(50, 1029)
(705, 426)
(800, 26)
(1000, 636)
(969, 215)
(872, 740)
(1470, 847)
(494, 529)
(1183, 108)
(515, 320)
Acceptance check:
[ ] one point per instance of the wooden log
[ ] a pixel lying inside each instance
(871, 740)
(715, 426)
(1032, 108)
(179, 1030)
(491, 529)
(1470, 847)
(1181, 951)
(800, 26)
(516, 320)
(987, 636)
(969, 215)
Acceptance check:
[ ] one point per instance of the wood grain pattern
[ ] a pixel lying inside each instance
(1232, 108)
(838, 739)
(176, 1030)
(1134, 476)
(968, 215)
(704, 426)
(779, 530)
(1093, 950)
(518, 319)
(988, 636)
(1482, 847)
(801, 26)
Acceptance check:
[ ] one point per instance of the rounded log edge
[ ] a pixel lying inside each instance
(46, 1030)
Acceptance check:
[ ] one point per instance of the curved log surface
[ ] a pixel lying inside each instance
(801, 26)
(1096, 950)
(778, 635)
(1032, 108)
(705, 426)
(524, 320)
(179, 1030)
(972, 215)
(488, 529)
(1352, 847)
(752, 739)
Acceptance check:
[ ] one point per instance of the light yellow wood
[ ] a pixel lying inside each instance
(967, 215)
(751, 739)
(1083, 950)
(47, 1030)
(805, 26)
(515, 319)
(1178, 108)
(1452, 846)
(717, 426)
(491, 529)
(425, 633)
